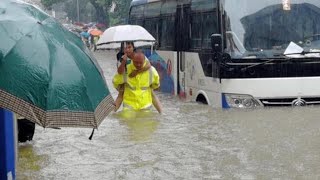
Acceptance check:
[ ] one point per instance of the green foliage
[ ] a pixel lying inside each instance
(104, 3)
(122, 8)
(121, 12)
(49, 3)
(101, 7)
(87, 11)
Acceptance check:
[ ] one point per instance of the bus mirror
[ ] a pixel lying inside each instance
(216, 43)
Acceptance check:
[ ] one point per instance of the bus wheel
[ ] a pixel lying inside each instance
(201, 99)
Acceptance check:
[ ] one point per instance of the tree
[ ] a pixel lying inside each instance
(87, 14)
(122, 10)
(49, 3)
(120, 13)
(101, 11)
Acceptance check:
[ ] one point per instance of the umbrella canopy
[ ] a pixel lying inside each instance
(123, 33)
(47, 74)
(95, 32)
(100, 25)
(118, 45)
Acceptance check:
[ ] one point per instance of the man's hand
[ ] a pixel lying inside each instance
(134, 73)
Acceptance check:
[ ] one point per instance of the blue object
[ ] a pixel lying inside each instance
(225, 105)
(85, 34)
(7, 145)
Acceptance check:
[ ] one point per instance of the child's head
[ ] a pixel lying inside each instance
(129, 48)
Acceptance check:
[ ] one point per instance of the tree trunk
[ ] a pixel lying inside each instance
(102, 15)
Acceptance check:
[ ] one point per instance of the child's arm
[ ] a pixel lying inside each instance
(145, 68)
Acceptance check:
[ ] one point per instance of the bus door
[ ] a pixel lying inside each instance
(182, 44)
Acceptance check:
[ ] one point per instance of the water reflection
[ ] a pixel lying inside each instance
(141, 124)
(29, 162)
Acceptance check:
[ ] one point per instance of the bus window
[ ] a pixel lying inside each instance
(152, 9)
(167, 32)
(136, 22)
(210, 26)
(203, 5)
(137, 11)
(151, 26)
(196, 30)
(169, 7)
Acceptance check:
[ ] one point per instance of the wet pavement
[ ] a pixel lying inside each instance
(189, 141)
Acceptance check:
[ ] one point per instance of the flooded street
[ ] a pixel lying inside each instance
(189, 141)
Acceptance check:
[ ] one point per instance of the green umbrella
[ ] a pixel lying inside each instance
(47, 75)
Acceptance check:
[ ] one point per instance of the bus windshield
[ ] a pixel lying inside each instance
(265, 28)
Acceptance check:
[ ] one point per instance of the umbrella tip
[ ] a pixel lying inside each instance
(90, 138)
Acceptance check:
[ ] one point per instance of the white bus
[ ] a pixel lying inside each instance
(230, 53)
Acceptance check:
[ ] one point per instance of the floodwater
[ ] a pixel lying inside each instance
(189, 141)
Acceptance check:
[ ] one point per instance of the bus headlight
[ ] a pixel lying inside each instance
(241, 101)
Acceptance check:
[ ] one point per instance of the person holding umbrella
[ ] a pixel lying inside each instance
(55, 83)
(121, 79)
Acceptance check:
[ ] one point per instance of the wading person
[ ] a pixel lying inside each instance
(125, 60)
(138, 83)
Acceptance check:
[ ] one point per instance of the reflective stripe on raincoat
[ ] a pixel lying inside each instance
(138, 90)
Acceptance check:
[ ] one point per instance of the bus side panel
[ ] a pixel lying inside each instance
(273, 87)
(197, 83)
(165, 63)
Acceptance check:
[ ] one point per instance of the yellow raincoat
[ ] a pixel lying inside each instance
(137, 92)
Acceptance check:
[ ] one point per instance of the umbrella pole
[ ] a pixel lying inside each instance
(7, 145)
(151, 49)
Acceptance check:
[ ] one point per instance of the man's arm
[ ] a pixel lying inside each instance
(155, 80)
(117, 80)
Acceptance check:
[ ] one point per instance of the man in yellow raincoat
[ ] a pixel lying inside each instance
(138, 89)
